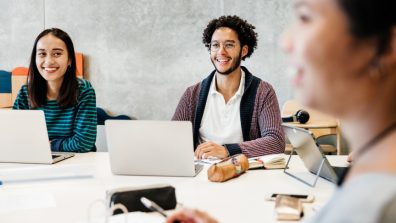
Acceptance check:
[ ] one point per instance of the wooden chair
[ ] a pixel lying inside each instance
(5, 89)
(319, 124)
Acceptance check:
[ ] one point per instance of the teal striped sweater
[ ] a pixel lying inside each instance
(71, 129)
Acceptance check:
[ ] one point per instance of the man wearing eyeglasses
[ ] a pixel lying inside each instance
(232, 111)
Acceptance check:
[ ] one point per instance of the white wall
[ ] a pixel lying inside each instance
(141, 55)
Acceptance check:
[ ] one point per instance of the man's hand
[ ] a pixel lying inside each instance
(209, 148)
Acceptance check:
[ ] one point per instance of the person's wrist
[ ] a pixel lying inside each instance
(228, 153)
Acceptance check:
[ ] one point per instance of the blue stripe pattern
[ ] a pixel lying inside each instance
(74, 126)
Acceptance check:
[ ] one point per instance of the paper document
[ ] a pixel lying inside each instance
(272, 161)
(135, 217)
(47, 172)
(209, 160)
(25, 200)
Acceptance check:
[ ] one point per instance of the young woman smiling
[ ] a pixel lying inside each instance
(69, 103)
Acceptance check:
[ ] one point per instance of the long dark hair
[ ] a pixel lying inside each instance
(371, 19)
(37, 85)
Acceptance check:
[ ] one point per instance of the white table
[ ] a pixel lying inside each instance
(237, 200)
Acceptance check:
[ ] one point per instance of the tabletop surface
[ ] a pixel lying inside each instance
(74, 199)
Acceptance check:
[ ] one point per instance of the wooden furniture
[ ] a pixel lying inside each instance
(319, 124)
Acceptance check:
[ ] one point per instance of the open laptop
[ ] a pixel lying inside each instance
(158, 148)
(24, 138)
(311, 154)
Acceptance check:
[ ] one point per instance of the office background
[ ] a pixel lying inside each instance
(140, 55)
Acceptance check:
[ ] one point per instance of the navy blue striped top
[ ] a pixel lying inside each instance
(71, 129)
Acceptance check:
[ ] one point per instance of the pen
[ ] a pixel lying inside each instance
(154, 207)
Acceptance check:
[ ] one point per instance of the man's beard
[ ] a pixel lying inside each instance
(233, 66)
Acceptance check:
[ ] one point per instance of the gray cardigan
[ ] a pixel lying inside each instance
(259, 110)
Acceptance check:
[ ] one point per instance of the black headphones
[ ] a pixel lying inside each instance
(301, 116)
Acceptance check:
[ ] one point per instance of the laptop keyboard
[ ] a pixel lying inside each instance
(55, 156)
(61, 154)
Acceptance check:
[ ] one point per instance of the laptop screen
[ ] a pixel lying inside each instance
(310, 153)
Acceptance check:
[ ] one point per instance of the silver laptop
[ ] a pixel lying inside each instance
(311, 154)
(158, 148)
(24, 138)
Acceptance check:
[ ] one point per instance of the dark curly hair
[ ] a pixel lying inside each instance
(246, 34)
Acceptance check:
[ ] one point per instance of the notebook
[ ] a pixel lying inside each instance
(311, 154)
(158, 148)
(24, 138)
(272, 161)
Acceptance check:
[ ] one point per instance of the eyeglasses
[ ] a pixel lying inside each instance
(228, 46)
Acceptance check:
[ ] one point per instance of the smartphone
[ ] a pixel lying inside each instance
(303, 197)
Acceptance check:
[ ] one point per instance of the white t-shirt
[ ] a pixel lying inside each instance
(221, 122)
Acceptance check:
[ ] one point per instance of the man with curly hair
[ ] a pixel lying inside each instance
(232, 111)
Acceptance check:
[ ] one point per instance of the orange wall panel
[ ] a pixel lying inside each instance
(5, 100)
(80, 65)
